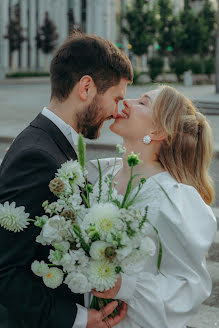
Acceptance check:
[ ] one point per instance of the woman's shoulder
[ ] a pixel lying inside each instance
(183, 206)
(106, 164)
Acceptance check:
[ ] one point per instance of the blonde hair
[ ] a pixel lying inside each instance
(187, 151)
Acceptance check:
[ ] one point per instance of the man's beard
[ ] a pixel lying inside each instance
(89, 122)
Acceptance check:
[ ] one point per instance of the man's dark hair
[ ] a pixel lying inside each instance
(90, 55)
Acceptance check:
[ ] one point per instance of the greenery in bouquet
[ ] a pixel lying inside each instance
(92, 242)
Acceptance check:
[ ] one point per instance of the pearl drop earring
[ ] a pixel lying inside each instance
(147, 139)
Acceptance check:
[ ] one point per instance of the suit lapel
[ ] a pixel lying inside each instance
(43, 123)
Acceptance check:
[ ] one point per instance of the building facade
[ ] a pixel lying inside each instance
(90, 16)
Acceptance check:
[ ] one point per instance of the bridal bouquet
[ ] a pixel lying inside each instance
(90, 243)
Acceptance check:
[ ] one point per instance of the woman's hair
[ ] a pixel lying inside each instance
(187, 151)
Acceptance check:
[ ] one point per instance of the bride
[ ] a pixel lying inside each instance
(175, 144)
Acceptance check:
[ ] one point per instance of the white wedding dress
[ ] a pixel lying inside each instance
(187, 228)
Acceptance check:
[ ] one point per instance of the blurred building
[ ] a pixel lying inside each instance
(102, 17)
(90, 16)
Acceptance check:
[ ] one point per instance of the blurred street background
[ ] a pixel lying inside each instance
(167, 41)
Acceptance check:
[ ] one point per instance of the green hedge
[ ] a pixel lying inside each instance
(27, 74)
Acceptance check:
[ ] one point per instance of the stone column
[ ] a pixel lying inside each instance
(15, 53)
(24, 25)
(77, 11)
(32, 34)
(4, 44)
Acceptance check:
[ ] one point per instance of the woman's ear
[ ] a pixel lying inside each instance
(158, 135)
(86, 88)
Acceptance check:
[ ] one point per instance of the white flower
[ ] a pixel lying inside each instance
(124, 252)
(78, 283)
(71, 174)
(40, 240)
(53, 278)
(102, 275)
(55, 257)
(97, 250)
(148, 247)
(13, 218)
(105, 217)
(56, 229)
(63, 246)
(39, 268)
(120, 149)
(133, 263)
(74, 260)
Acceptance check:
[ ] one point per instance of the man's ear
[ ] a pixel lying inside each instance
(86, 88)
(158, 135)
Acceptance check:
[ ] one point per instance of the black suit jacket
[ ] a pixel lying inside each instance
(25, 173)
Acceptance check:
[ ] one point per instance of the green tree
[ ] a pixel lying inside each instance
(140, 27)
(47, 36)
(207, 17)
(166, 26)
(14, 33)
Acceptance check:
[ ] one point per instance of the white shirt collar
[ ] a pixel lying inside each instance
(65, 128)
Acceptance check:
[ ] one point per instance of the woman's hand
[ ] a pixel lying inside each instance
(110, 293)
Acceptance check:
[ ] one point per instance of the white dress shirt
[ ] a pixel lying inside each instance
(72, 136)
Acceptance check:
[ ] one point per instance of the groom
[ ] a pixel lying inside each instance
(89, 76)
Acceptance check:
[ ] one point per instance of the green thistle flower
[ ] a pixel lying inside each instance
(133, 159)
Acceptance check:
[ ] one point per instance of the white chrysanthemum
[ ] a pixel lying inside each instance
(56, 229)
(74, 260)
(148, 247)
(53, 278)
(78, 283)
(97, 250)
(71, 173)
(40, 269)
(105, 217)
(102, 275)
(13, 218)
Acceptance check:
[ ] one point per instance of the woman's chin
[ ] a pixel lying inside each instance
(113, 127)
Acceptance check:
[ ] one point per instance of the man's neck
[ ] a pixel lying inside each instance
(64, 113)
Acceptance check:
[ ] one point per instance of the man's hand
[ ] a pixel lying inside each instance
(110, 293)
(96, 319)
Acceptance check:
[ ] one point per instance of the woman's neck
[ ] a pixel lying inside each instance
(150, 163)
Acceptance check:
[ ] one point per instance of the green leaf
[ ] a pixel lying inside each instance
(81, 152)
(100, 181)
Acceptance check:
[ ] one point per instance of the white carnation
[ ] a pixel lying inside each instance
(74, 260)
(102, 275)
(39, 268)
(148, 246)
(97, 250)
(13, 218)
(78, 283)
(56, 229)
(53, 278)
